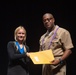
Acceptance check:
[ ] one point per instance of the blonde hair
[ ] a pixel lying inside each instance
(16, 30)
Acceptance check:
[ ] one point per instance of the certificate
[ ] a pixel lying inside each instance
(42, 57)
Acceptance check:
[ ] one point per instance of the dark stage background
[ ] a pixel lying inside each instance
(29, 14)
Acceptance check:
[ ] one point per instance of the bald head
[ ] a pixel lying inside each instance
(48, 14)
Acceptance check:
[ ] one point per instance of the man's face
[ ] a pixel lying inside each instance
(48, 21)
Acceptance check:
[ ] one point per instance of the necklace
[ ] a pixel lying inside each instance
(51, 38)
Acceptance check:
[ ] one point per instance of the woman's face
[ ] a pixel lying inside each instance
(20, 35)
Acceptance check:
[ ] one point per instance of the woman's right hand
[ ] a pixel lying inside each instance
(27, 54)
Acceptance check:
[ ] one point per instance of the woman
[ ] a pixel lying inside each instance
(18, 53)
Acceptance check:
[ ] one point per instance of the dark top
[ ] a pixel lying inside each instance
(18, 63)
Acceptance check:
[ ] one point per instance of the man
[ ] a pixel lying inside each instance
(59, 41)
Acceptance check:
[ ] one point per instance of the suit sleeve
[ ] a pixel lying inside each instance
(27, 58)
(66, 40)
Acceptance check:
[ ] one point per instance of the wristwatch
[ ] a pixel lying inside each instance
(61, 61)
